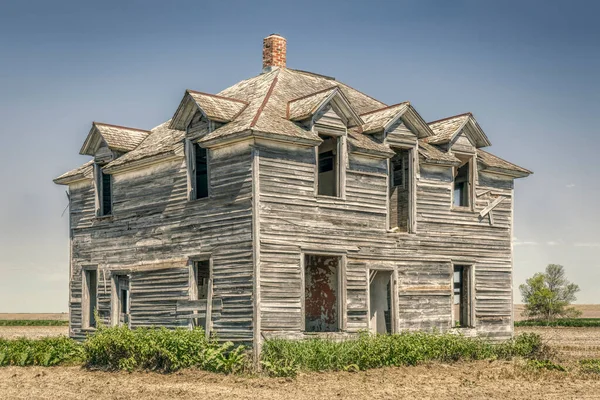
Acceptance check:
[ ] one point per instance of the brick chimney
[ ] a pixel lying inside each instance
(274, 51)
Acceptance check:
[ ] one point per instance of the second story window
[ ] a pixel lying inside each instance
(104, 198)
(328, 164)
(463, 184)
(400, 195)
(197, 164)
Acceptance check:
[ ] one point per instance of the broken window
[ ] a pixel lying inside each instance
(463, 308)
(121, 300)
(321, 284)
(103, 192)
(197, 164)
(462, 185)
(328, 179)
(400, 192)
(89, 298)
(200, 290)
(380, 301)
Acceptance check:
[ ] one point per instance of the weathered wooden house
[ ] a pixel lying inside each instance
(292, 204)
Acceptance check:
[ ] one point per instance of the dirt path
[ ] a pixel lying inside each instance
(484, 380)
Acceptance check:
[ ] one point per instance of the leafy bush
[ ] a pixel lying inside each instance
(33, 322)
(161, 350)
(44, 352)
(545, 364)
(590, 366)
(568, 322)
(281, 356)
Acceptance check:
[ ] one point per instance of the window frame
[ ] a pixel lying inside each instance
(342, 289)
(409, 182)
(193, 288)
(86, 316)
(191, 162)
(116, 299)
(340, 163)
(471, 323)
(471, 160)
(395, 302)
(99, 192)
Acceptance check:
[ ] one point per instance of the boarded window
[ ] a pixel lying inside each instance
(400, 190)
(90, 285)
(462, 185)
(463, 306)
(321, 303)
(201, 172)
(328, 166)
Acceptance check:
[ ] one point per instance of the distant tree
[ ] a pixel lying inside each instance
(548, 295)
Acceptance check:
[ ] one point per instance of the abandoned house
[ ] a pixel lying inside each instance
(291, 205)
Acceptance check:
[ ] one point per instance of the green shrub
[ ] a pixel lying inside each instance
(545, 364)
(33, 322)
(567, 322)
(368, 351)
(590, 366)
(161, 350)
(44, 352)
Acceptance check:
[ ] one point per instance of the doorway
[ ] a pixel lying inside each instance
(380, 302)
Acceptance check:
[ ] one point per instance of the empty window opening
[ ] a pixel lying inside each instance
(103, 192)
(400, 190)
(462, 185)
(328, 166)
(462, 309)
(123, 300)
(201, 172)
(201, 289)
(380, 302)
(90, 286)
(321, 283)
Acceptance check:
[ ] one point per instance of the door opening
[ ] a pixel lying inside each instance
(380, 301)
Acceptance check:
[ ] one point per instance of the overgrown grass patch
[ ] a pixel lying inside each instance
(545, 364)
(590, 366)
(566, 322)
(44, 352)
(33, 322)
(280, 357)
(161, 349)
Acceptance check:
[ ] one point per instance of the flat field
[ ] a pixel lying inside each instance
(474, 380)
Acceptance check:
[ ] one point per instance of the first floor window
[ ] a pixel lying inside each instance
(328, 165)
(121, 300)
(201, 290)
(463, 302)
(321, 293)
(89, 298)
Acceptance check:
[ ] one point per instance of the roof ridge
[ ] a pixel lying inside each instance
(265, 101)
(313, 93)
(120, 126)
(217, 96)
(385, 108)
(470, 114)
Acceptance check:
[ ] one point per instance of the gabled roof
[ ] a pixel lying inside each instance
(118, 138)
(496, 164)
(384, 118)
(436, 156)
(305, 107)
(214, 107)
(86, 171)
(446, 129)
(268, 95)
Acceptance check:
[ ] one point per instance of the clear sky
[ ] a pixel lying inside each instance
(528, 70)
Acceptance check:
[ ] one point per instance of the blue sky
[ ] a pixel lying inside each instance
(528, 70)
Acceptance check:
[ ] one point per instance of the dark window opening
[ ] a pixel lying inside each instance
(106, 194)
(90, 306)
(321, 293)
(462, 186)
(201, 178)
(462, 296)
(202, 282)
(123, 301)
(400, 192)
(328, 166)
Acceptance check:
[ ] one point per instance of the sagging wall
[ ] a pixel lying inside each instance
(154, 232)
(294, 222)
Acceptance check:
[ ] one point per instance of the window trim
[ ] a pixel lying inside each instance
(342, 289)
(193, 287)
(341, 164)
(472, 161)
(190, 160)
(471, 271)
(413, 166)
(86, 317)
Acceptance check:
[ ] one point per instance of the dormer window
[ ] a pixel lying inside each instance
(328, 163)
(197, 165)
(104, 198)
(463, 182)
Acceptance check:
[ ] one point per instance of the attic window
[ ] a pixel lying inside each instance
(103, 192)
(463, 183)
(328, 164)
(197, 165)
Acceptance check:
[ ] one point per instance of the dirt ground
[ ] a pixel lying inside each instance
(32, 332)
(587, 311)
(32, 316)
